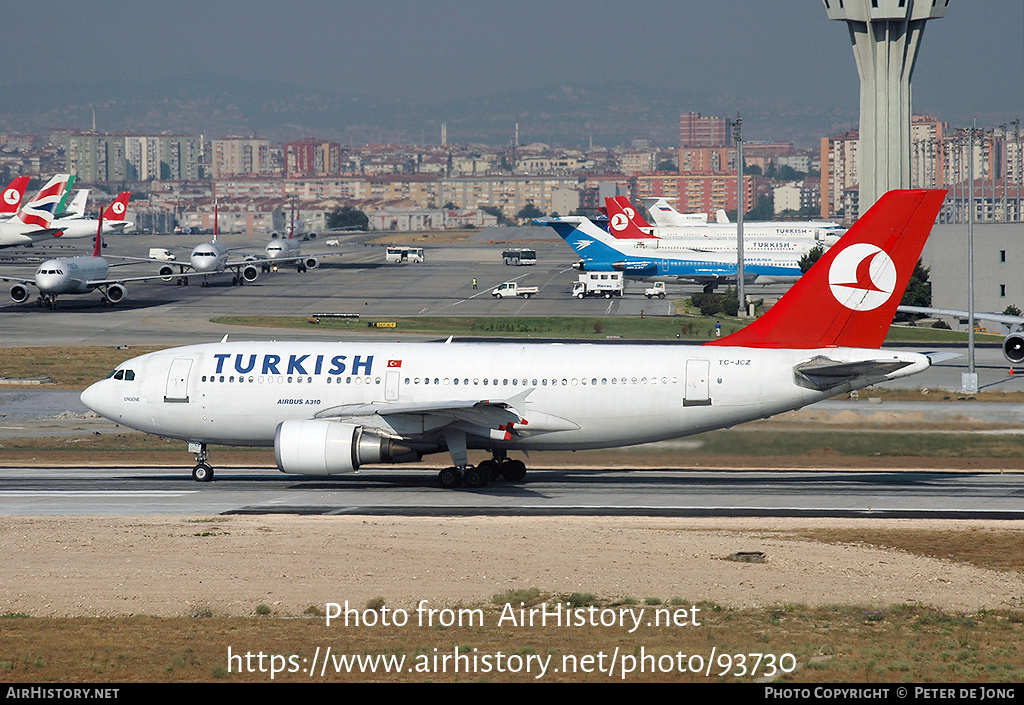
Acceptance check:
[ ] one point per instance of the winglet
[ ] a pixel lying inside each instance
(849, 297)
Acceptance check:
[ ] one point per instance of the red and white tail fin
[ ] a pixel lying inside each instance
(115, 212)
(623, 220)
(40, 210)
(849, 297)
(12, 195)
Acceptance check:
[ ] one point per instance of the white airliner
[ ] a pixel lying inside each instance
(670, 223)
(76, 225)
(625, 223)
(329, 407)
(74, 275)
(285, 250)
(34, 221)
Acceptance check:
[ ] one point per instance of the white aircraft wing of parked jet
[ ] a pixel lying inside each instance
(329, 408)
(1013, 344)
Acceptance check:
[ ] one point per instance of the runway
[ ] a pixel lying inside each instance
(358, 281)
(547, 492)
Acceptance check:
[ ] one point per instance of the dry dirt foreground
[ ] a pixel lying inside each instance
(227, 566)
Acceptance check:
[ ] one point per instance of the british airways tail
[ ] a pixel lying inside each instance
(41, 209)
(12, 195)
(849, 297)
(624, 222)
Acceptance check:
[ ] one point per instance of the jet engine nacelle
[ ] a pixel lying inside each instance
(322, 447)
(166, 272)
(20, 293)
(250, 273)
(1013, 347)
(115, 293)
(312, 263)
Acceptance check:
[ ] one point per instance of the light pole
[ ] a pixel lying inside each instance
(737, 135)
(969, 380)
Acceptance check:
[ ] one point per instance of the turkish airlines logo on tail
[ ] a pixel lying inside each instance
(12, 197)
(117, 207)
(619, 221)
(862, 277)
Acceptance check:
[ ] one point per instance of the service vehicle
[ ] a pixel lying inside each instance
(161, 253)
(509, 289)
(657, 290)
(606, 284)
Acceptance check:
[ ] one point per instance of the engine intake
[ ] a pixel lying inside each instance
(322, 447)
(1013, 348)
(19, 293)
(115, 293)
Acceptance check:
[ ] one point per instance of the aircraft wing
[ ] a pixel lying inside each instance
(43, 234)
(488, 418)
(1014, 322)
(96, 283)
(20, 280)
(824, 373)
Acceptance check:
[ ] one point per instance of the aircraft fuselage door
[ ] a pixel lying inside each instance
(391, 381)
(177, 380)
(697, 393)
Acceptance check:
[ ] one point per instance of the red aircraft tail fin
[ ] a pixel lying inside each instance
(849, 297)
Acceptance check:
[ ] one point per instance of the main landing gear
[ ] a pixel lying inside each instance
(202, 472)
(480, 475)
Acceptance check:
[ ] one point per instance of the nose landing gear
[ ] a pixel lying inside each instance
(202, 472)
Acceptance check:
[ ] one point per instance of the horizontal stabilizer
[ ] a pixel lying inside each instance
(823, 373)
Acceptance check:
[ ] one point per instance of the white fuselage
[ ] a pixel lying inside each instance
(70, 275)
(75, 227)
(284, 247)
(13, 232)
(209, 257)
(812, 232)
(579, 396)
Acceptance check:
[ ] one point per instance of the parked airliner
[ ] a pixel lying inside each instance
(625, 223)
(74, 275)
(668, 221)
(328, 408)
(652, 258)
(33, 221)
(76, 225)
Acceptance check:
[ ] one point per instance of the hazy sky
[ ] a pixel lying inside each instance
(971, 63)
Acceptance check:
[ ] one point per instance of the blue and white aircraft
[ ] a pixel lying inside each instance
(661, 259)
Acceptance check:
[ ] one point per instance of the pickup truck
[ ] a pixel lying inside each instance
(657, 290)
(513, 289)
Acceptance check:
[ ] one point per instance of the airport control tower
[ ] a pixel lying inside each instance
(886, 35)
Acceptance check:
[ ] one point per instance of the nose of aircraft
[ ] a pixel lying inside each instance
(93, 397)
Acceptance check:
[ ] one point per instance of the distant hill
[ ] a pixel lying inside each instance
(213, 106)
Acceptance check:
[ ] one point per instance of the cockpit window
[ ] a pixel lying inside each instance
(126, 375)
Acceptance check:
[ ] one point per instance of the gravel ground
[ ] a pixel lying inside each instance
(173, 566)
